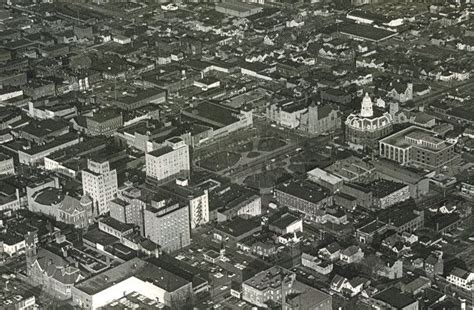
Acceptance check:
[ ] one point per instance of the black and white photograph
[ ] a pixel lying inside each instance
(236, 154)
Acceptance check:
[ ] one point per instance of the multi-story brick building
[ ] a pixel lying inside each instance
(277, 285)
(305, 197)
(104, 122)
(167, 224)
(419, 147)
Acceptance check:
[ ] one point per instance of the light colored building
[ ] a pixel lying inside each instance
(286, 224)
(169, 161)
(64, 111)
(309, 118)
(7, 166)
(44, 197)
(352, 254)
(220, 119)
(128, 207)
(196, 198)
(12, 244)
(267, 286)
(279, 285)
(287, 113)
(367, 126)
(313, 262)
(167, 224)
(461, 278)
(77, 212)
(325, 179)
(238, 9)
(100, 183)
(419, 147)
(133, 276)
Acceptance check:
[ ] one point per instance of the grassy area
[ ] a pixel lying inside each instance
(296, 168)
(244, 147)
(253, 154)
(270, 144)
(266, 179)
(220, 161)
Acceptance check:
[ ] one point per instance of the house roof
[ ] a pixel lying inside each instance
(395, 298)
(56, 267)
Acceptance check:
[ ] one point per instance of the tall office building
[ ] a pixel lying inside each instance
(168, 162)
(100, 183)
(197, 199)
(129, 206)
(167, 224)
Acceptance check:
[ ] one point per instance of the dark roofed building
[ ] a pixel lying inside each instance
(104, 122)
(305, 197)
(54, 273)
(393, 298)
(236, 230)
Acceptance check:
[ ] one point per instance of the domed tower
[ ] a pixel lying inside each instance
(367, 107)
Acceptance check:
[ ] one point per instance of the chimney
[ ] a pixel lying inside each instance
(463, 303)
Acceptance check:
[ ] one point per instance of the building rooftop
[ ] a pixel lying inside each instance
(49, 196)
(115, 224)
(237, 6)
(271, 278)
(350, 168)
(161, 151)
(134, 301)
(104, 115)
(395, 298)
(284, 221)
(133, 268)
(365, 32)
(321, 174)
(415, 136)
(215, 114)
(238, 226)
(305, 190)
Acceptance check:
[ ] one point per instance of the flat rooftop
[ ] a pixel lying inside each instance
(132, 268)
(238, 226)
(270, 278)
(284, 221)
(365, 32)
(415, 136)
(350, 168)
(305, 190)
(237, 6)
(213, 113)
(134, 301)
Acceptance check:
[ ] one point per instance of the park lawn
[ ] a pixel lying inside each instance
(270, 144)
(220, 161)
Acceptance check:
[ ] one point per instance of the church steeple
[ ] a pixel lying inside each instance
(367, 107)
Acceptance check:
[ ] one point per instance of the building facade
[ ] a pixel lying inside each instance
(304, 197)
(167, 224)
(100, 183)
(418, 147)
(168, 162)
(7, 166)
(367, 126)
